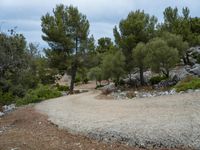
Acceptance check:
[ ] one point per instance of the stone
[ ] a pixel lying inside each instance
(134, 80)
(130, 94)
(108, 88)
(179, 73)
(1, 114)
(172, 92)
(63, 80)
(189, 91)
(195, 69)
(8, 108)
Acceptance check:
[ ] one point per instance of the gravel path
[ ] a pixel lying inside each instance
(168, 121)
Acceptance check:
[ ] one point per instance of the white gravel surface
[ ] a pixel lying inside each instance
(167, 121)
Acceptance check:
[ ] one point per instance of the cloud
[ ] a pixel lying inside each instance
(102, 14)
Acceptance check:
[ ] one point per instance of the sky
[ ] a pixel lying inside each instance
(103, 15)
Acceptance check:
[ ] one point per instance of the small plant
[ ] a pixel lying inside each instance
(157, 79)
(39, 94)
(188, 83)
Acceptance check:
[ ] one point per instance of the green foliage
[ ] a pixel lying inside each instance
(18, 67)
(139, 56)
(39, 94)
(62, 87)
(176, 41)
(188, 83)
(183, 25)
(104, 45)
(157, 79)
(113, 65)
(161, 57)
(6, 98)
(85, 80)
(137, 27)
(95, 74)
(66, 32)
(78, 79)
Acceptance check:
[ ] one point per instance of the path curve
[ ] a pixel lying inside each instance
(166, 121)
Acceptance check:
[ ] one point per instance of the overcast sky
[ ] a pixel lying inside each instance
(102, 14)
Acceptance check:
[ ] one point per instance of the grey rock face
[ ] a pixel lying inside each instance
(180, 72)
(193, 53)
(134, 80)
(8, 108)
(195, 69)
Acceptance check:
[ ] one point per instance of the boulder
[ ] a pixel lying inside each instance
(63, 80)
(166, 83)
(193, 54)
(179, 73)
(8, 108)
(1, 114)
(135, 78)
(108, 88)
(195, 69)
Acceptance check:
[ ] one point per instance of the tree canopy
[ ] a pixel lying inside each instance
(67, 33)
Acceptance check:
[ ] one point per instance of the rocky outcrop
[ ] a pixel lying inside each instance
(194, 54)
(134, 80)
(180, 72)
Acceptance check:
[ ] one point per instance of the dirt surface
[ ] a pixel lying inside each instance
(26, 129)
(168, 121)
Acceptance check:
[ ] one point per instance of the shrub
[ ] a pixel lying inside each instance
(157, 79)
(78, 79)
(6, 98)
(121, 82)
(39, 94)
(85, 80)
(188, 83)
(62, 87)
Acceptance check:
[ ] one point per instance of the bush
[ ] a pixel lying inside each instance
(85, 80)
(157, 79)
(188, 83)
(39, 94)
(78, 79)
(6, 98)
(62, 87)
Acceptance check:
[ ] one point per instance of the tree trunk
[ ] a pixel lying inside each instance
(74, 68)
(184, 60)
(166, 72)
(141, 76)
(73, 77)
(187, 59)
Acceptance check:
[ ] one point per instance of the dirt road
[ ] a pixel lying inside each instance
(169, 121)
(26, 129)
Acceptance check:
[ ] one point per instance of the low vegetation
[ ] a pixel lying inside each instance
(157, 79)
(188, 83)
(39, 94)
(62, 87)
